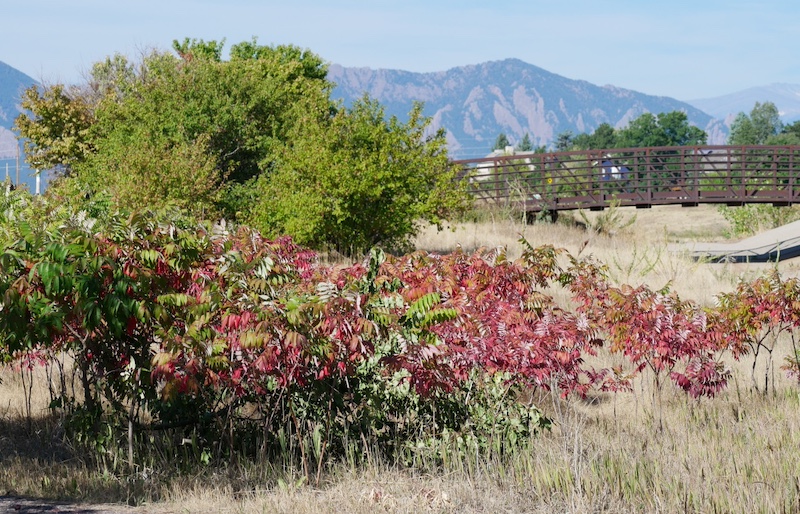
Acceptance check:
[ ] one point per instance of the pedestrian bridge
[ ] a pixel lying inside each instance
(638, 177)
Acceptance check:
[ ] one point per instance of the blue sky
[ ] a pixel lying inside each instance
(683, 49)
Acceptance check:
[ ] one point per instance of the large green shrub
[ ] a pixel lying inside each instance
(253, 138)
(359, 180)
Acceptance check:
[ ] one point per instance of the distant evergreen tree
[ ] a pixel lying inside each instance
(742, 132)
(790, 135)
(501, 142)
(794, 128)
(564, 141)
(603, 137)
(525, 145)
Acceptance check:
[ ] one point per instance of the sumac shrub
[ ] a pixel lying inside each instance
(656, 331)
(239, 344)
(758, 313)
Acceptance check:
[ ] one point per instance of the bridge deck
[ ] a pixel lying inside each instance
(641, 177)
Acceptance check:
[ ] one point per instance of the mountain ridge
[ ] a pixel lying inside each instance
(12, 84)
(785, 96)
(474, 103)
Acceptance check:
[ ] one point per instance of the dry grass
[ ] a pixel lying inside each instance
(635, 255)
(739, 452)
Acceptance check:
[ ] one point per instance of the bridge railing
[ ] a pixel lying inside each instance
(687, 175)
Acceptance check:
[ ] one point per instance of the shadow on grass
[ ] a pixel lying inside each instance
(37, 506)
(38, 467)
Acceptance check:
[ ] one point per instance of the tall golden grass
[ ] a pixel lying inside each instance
(738, 452)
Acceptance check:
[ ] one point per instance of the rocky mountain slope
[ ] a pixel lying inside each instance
(475, 103)
(12, 83)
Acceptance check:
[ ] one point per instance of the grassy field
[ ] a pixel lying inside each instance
(739, 452)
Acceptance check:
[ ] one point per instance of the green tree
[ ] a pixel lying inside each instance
(677, 130)
(789, 135)
(783, 139)
(225, 137)
(359, 180)
(641, 132)
(762, 126)
(564, 141)
(792, 129)
(501, 142)
(763, 123)
(766, 121)
(665, 129)
(140, 172)
(59, 132)
(525, 144)
(742, 131)
(189, 49)
(604, 137)
(192, 120)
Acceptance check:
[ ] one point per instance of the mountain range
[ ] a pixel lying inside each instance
(475, 103)
(785, 96)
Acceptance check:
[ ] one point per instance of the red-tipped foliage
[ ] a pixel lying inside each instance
(655, 330)
(504, 323)
(760, 312)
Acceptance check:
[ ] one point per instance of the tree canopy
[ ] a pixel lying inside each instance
(354, 181)
(216, 137)
(58, 135)
(501, 142)
(525, 144)
(664, 129)
(603, 137)
(791, 133)
(760, 127)
(564, 141)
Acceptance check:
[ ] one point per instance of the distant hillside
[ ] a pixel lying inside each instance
(785, 96)
(12, 83)
(475, 103)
